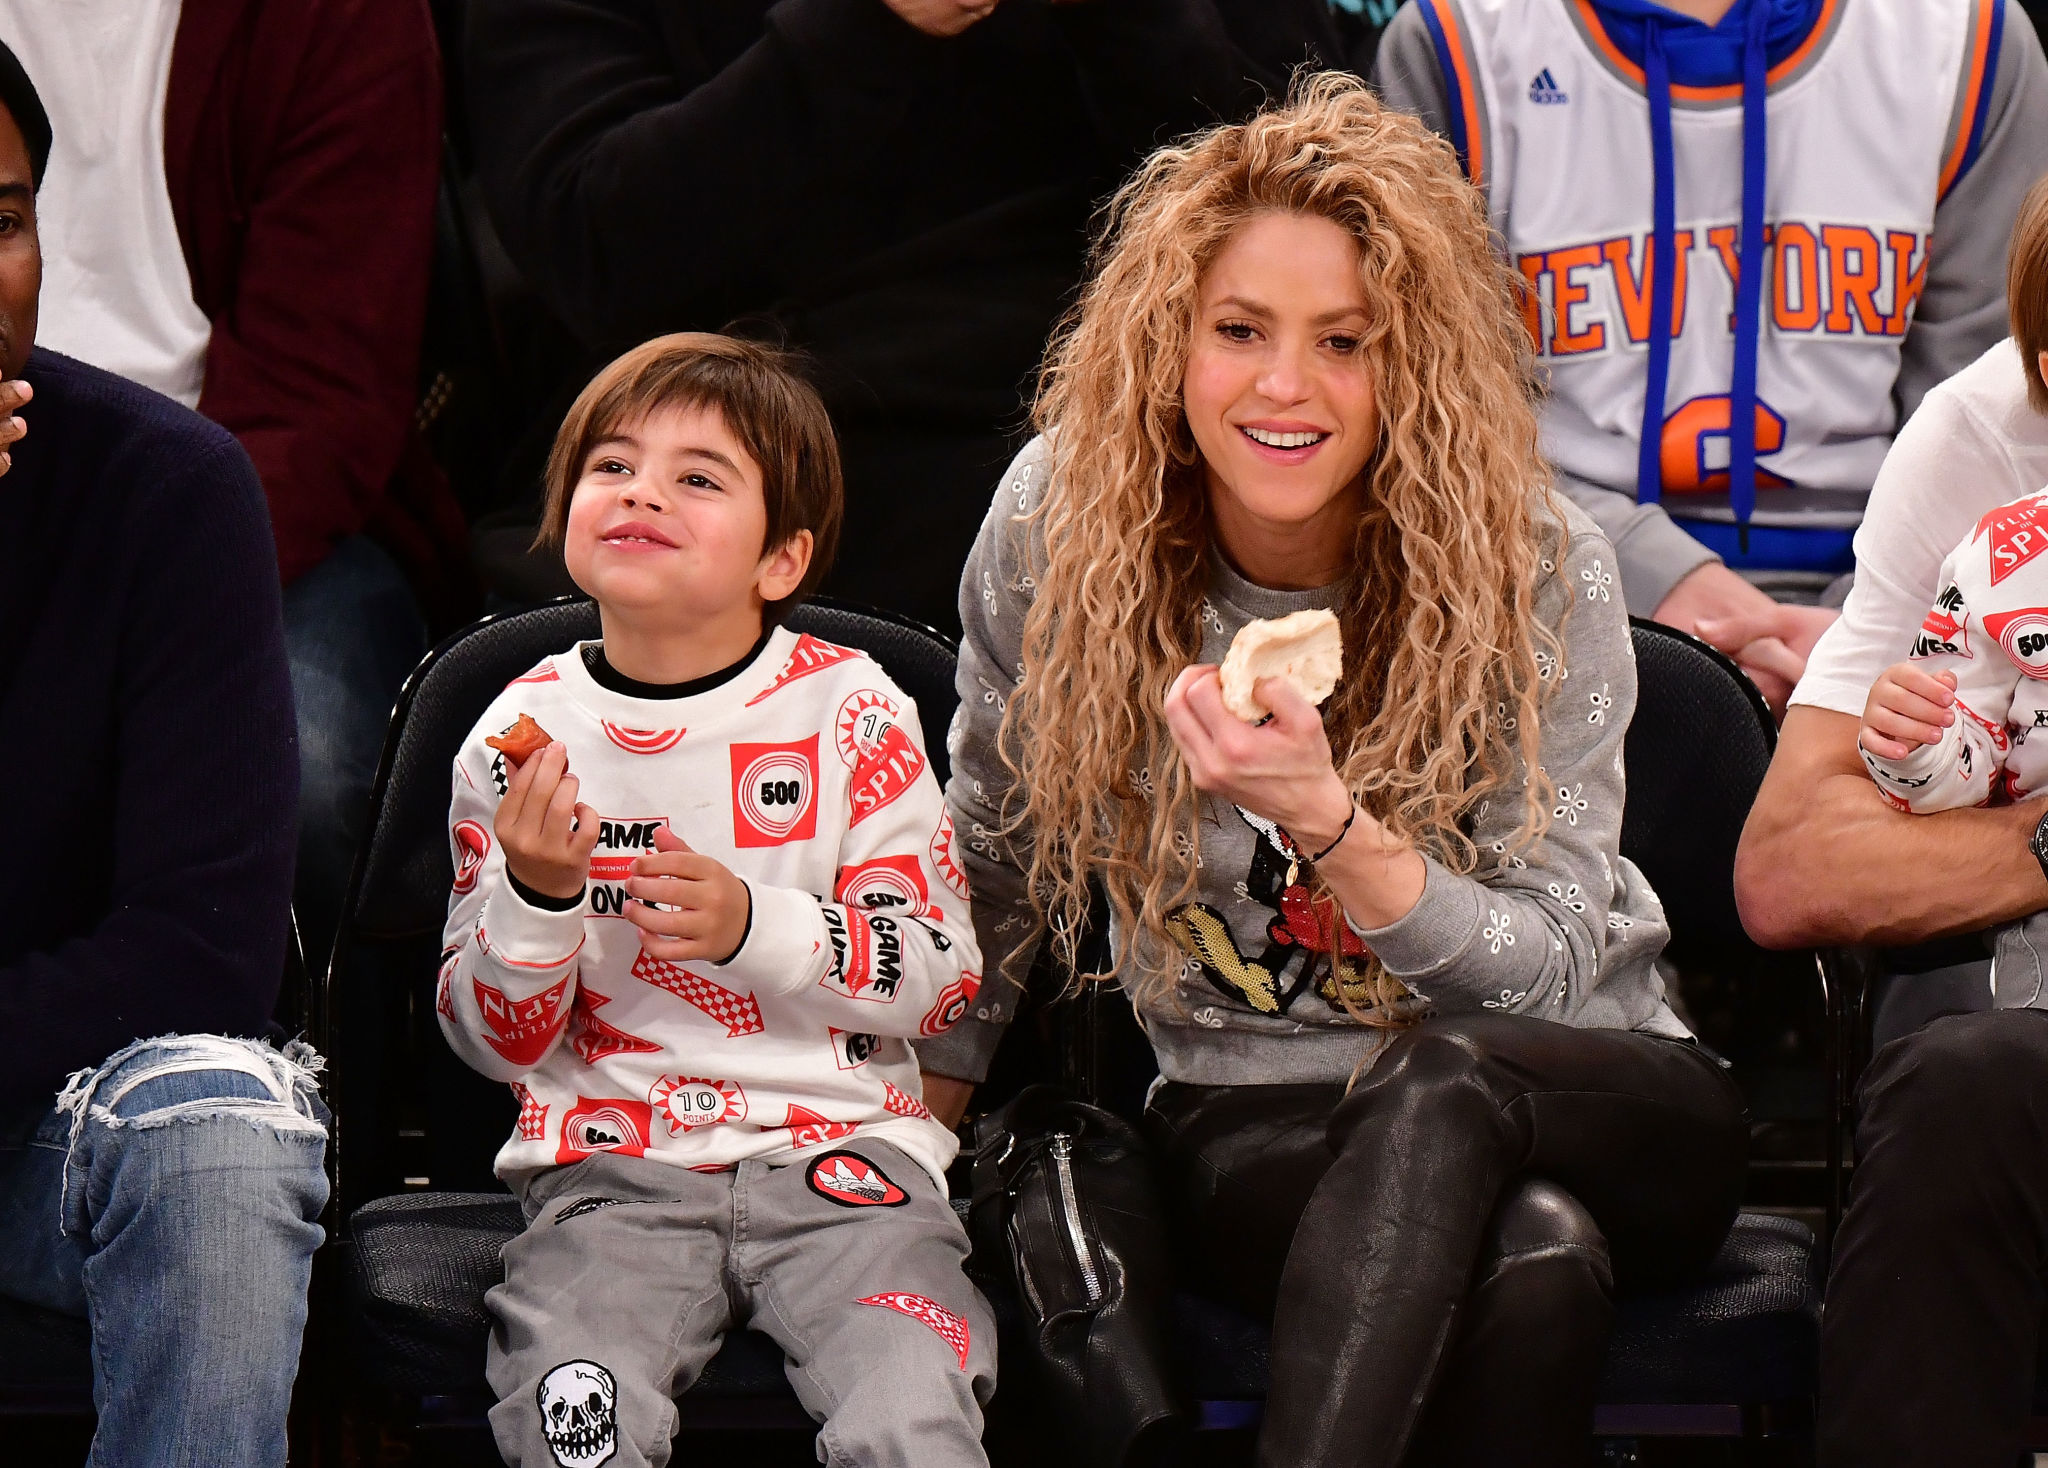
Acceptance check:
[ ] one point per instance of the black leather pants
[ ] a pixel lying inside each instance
(1929, 1342)
(1438, 1249)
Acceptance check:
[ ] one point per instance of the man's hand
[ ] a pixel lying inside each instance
(942, 17)
(12, 429)
(946, 1098)
(546, 836)
(1908, 707)
(1771, 641)
(1824, 860)
(704, 907)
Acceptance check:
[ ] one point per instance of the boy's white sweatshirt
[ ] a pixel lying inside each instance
(806, 775)
(1989, 627)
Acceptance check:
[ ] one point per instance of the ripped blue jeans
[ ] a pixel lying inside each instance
(171, 1199)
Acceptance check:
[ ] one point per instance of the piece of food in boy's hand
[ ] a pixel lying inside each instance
(521, 742)
(1305, 648)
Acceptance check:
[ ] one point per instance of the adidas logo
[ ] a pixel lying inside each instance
(1544, 90)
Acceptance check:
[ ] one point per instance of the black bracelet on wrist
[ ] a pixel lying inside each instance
(1342, 832)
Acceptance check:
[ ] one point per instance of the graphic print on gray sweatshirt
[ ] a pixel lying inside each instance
(1566, 930)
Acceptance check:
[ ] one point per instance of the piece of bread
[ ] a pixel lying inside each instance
(1305, 648)
(521, 742)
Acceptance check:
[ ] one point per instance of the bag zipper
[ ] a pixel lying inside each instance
(1062, 1149)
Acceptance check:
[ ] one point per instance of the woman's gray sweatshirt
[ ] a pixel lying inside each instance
(1567, 930)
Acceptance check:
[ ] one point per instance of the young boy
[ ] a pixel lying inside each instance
(719, 1123)
(1965, 720)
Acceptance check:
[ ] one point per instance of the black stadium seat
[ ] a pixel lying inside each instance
(1683, 1363)
(1731, 1357)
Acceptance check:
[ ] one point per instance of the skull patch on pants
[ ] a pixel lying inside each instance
(579, 1414)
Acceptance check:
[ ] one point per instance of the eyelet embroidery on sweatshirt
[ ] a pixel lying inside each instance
(1571, 804)
(1496, 932)
(1569, 896)
(1602, 702)
(1509, 998)
(1598, 579)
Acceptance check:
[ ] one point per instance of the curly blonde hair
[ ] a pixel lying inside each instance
(1440, 687)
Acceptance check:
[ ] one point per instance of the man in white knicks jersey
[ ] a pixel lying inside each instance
(1755, 233)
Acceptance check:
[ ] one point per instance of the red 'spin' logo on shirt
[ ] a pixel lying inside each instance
(2018, 534)
(809, 656)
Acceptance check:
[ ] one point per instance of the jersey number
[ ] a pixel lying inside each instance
(1685, 455)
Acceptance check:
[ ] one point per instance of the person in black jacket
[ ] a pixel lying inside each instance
(901, 188)
(170, 1195)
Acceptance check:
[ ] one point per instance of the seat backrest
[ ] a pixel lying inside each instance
(406, 870)
(1696, 753)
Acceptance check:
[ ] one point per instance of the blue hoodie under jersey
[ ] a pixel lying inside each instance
(1671, 48)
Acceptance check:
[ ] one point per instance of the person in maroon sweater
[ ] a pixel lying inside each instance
(300, 145)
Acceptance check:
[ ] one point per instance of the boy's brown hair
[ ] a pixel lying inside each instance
(2026, 287)
(766, 405)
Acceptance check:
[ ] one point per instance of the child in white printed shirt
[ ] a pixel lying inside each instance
(699, 959)
(1965, 720)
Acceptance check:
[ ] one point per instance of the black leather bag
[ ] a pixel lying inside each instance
(1064, 1208)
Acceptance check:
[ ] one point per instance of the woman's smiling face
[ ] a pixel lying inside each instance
(1278, 397)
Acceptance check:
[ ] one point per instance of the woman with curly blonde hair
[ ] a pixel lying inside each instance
(1422, 1100)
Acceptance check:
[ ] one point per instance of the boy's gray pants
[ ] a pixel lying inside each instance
(629, 1273)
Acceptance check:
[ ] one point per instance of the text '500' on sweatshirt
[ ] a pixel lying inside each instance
(805, 774)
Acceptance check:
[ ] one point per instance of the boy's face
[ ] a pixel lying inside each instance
(668, 520)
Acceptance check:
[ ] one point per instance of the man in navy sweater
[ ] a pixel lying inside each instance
(170, 1194)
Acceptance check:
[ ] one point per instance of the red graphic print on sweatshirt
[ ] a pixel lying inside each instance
(774, 792)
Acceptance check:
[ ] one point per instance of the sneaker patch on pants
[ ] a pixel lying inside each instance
(952, 1329)
(585, 1205)
(579, 1414)
(851, 1181)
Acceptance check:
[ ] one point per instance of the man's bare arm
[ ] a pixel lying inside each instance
(1824, 860)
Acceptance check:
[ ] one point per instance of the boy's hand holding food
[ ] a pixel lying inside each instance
(546, 836)
(1908, 707)
(704, 907)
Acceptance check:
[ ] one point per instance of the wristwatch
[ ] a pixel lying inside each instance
(2039, 845)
